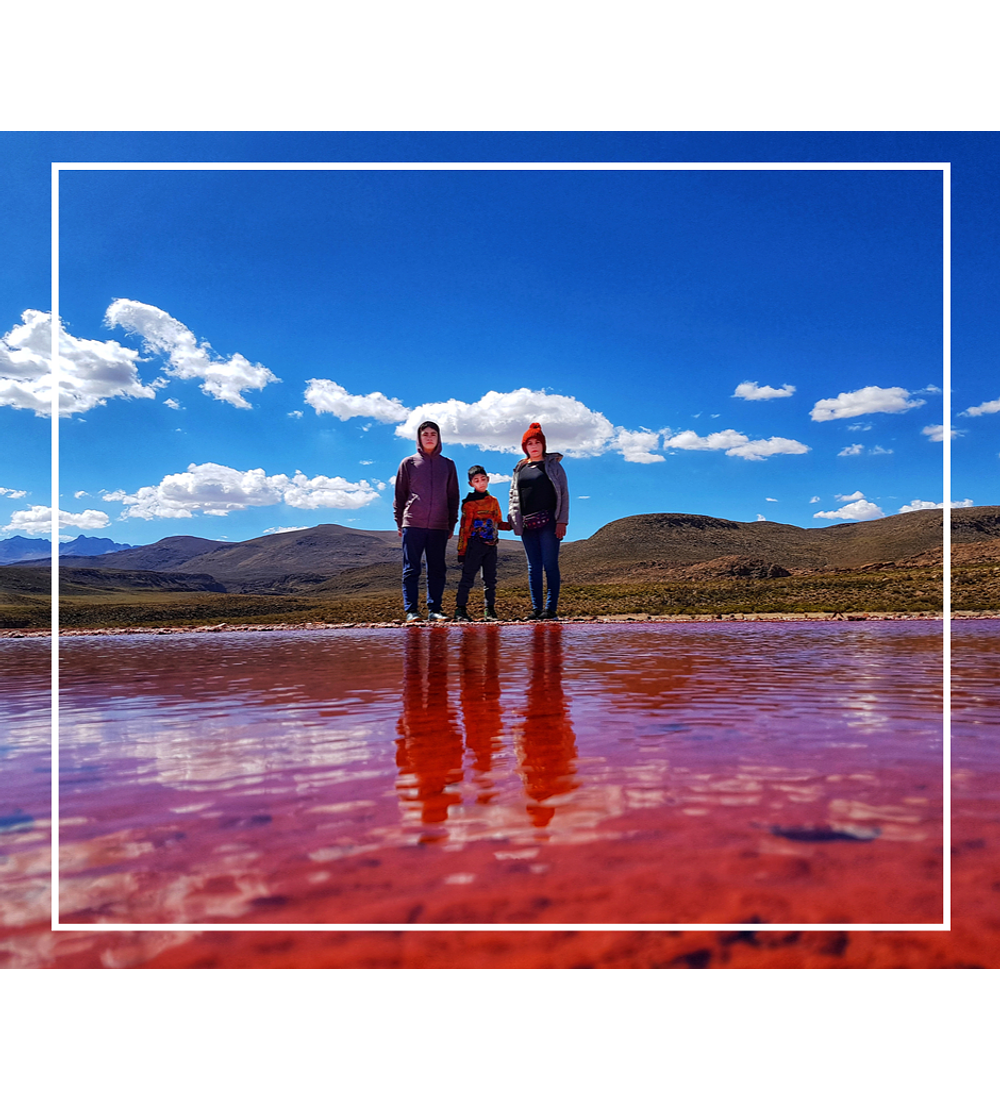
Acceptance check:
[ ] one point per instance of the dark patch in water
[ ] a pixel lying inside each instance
(819, 834)
(17, 820)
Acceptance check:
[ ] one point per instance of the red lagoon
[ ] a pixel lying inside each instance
(758, 773)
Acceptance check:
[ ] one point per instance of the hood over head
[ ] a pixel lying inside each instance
(429, 424)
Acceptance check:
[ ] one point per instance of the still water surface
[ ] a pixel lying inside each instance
(653, 773)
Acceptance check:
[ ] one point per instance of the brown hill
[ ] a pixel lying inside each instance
(168, 553)
(649, 543)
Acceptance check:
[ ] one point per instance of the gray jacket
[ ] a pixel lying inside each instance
(557, 475)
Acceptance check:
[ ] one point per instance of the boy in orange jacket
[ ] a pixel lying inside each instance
(477, 544)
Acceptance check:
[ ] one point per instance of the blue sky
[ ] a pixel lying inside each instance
(255, 348)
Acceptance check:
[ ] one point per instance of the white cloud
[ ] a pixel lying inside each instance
(761, 519)
(366, 462)
(814, 500)
(857, 509)
(583, 498)
(985, 408)
(636, 446)
(734, 444)
(81, 493)
(923, 505)
(771, 500)
(500, 479)
(296, 414)
(750, 391)
(90, 371)
(218, 490)
(870, 399)
(859, 427)
(223, 379)
(853, 496)
(936, 432)
(37, 520)
(283, 530)
(858, 449)
(497, 421)
(14, 494)
(326, 396)
(171, 403)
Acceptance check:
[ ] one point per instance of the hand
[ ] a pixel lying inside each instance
(452, 535)
(400, 532)
(560, 531)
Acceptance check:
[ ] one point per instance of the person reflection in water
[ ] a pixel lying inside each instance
(429, 747)
(481, 711)
(546, 747)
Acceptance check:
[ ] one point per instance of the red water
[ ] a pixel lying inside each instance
(757, 772)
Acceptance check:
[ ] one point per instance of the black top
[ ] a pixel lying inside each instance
(536, 491)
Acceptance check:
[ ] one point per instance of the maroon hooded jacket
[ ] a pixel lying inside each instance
(427, 489)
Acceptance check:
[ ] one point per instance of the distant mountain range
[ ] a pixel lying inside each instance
(19, 548)
(333, 559)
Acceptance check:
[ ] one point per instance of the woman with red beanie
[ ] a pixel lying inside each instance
(539, 513)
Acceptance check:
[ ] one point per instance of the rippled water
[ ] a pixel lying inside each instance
(538, 773)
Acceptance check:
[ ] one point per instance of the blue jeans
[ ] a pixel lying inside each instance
(541, 548)
(421, 542)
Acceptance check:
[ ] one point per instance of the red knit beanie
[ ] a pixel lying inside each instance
(534, 432)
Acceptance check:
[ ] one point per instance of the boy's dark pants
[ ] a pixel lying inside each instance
(477, 554)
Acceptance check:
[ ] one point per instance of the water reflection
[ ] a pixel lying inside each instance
(379, 772)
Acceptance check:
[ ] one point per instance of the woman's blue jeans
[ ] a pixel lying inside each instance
(541, 548)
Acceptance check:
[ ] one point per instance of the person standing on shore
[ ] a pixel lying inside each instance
(426, 511)
(539, 514)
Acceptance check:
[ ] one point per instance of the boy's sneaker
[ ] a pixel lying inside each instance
(490, 614)
(548, 613)
(437, 617)
(413, 616)
(462, 615)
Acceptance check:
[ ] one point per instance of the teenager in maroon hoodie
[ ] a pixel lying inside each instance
(426, 511)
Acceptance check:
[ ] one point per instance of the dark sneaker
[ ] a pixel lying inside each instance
(462, 615)
(413, 616)
(548, 613)
(437, 617)
(490, 614)
(533, 615)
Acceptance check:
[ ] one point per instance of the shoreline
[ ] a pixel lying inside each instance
(748, 617)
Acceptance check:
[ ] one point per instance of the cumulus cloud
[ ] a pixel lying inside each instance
(637, 446)
(937, 432)
(858, 495)
(37, 520)
(870, 399)
(224, 379)
(923, 505)
(750, 391)
(814, 500)
(90, 371)
(283, 530)
(982, 410)
(14, 494)
(500, 479)
(497, 421)
(859, 427)
(857, 509)
(217, 490)
(760, 518)
(326, 396)
(735, 444)
(296, 414)
(171, 403)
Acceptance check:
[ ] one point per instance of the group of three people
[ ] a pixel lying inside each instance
(426, 508)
